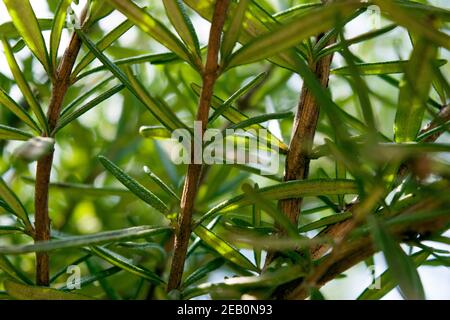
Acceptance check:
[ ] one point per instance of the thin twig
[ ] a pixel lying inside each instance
(44, 166)
(209, 78)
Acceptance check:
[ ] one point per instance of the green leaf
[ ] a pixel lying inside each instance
(15, 108)
(76, 102)
(388, 67)
(361, 38)
(59, 22)
(180, 20)
(152, 26)
(262, 118)
(289, 35)
(388, 281)
(7, 267)
(287, 190)
(25, 292)
(268, 280)
(134, 186)
(157, 58)
(103, 44)
(65, 120)
(4, 230)
(125, 264)
(401, 266)
(155, 132)
(222, 247)
(419, 25)
(98, 276)
(161, 183)
(86, 240)
(232, 33)
(27, 25)
(34, 149)
(203, 271)
(233, 98)
(235, 116)
(414, 90)
(272, 211)
(8, 29)
(84, 189)
(23, 86)
(9, 133)
(335, 218)
(157, 107)
(14, 203)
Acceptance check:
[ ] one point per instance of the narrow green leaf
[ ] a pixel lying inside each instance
(414, 90)
(9, 103)
(58, 24)
(377, 68)
(25, 292)
(76, 102)
(8, 29)
(361, 38)
(134, 186)
(153, 58)
(7, 267)
(103, 44)
(4, 230)
(335, 218)
(235, 116)
(269, 280)
(388, 281)
(234, 97)
(419, 25)
(98, 276)
(159, 109)
(272, 211)
(23, 85)
(125, 264)
(203, 271)
(286, 190)
(84, 189)
(290, 34)
(180, 20)
(155, 132)
(161, 183)
(401, 266)
(9, 133)
(156, 106)
(86, 240)
(262, 118)
(152, 26)
(27, 25)
(256, 222)
(222, 247)
(232, 33)
(14, 203)
(65, 120)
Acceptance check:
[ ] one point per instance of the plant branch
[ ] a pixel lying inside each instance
(305, 124)
(349, 254)
(209, 77)
(44, 165)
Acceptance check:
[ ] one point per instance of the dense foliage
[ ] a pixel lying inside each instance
(354, 96)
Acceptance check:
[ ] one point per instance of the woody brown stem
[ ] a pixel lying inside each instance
(61, 84)
(209, 77)
(305, 124)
